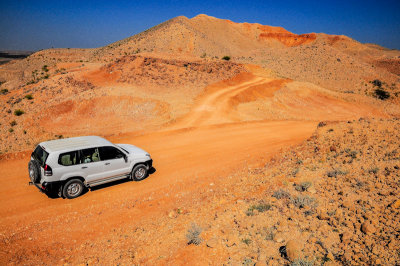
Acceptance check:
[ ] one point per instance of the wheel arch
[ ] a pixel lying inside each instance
(136, 164)
(73, 177)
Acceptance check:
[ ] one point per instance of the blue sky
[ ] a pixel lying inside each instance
(33, 25)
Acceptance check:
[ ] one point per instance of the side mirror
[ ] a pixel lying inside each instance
(125, 158)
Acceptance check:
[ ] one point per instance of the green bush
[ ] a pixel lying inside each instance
(247, 241)
(18, 112)
(29, 96)
(227, 58)
(381, 94)
(3, 91)
(377, 83)
(13, 123)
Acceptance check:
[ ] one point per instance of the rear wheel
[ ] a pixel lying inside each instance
(34, 171)
(139, 172)
(73, 189)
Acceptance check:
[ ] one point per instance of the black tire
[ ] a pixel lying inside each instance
(73, 189)
(34, 171)
(139, 172)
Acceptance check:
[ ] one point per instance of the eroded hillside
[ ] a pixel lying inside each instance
(245, 171)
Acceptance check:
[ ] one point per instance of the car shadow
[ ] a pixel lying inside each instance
(151, 171)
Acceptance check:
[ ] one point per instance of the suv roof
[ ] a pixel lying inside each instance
(74, 143)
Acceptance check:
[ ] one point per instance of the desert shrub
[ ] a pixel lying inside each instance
(45, 68)
(381, 94)
(46, 76)
(247, 262)
(13, 123)
(3, 91)
(351, 153)
(335, 173)
(373, 170)
(303, 201)
(295, 171)
(193, 235)
(270, 233)
(281, 194)
(321, 124)
(227, 58)
(28, 97)
(18, 112)
(262, 207)
(377, 83)
(247, 241)
(303, 186)
(11, 130)
(302, 262)
(359, 183)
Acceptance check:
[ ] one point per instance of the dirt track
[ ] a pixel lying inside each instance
(186, 154)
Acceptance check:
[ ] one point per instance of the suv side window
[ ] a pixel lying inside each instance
(90, 155)
(69, 158)
(110, 153)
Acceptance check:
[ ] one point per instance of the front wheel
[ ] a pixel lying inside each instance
(139, 172)
(73, 189)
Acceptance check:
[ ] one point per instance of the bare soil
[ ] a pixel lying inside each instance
(283, 154)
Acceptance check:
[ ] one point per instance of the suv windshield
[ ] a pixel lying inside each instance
(40, 155)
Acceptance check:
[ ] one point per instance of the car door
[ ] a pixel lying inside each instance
(91, 165)
(114, 161)
(69, 165)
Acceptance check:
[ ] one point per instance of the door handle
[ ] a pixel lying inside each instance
(107, 163)
(84, 167)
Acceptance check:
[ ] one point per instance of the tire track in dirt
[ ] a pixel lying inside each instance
(206, 145)
(218, 104)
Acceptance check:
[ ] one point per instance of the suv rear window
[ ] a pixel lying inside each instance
(69, 158)
(40, 155)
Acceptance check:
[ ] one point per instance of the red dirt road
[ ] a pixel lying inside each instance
(32, 224)
(209, 143)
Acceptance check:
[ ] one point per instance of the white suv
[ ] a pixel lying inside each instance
(67, 166)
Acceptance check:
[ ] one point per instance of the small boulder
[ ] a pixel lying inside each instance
(345, 237)
(278, 238)
(172, 214)
(330, 256)
(212, 242)
(396, 204)
(293, 250)
(322, 215)
(368, 228)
